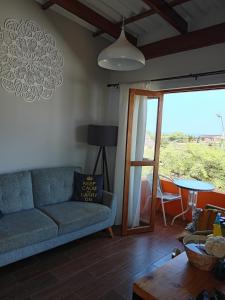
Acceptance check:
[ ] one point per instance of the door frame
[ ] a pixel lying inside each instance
(128, 163)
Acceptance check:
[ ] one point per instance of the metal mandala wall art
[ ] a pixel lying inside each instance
(30, 64)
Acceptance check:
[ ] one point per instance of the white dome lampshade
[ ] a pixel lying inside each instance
(121, 56)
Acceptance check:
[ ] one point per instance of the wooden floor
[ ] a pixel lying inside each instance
(96, 267)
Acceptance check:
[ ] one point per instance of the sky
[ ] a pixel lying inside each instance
(193, 113)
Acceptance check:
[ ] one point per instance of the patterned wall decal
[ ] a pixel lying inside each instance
(30, 64)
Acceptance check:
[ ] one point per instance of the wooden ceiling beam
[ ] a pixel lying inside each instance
(92, 17)
(143, 15)
(168, 14)
(47, 4)
(192, 40)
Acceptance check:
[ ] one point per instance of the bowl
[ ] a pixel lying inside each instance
(197, 257)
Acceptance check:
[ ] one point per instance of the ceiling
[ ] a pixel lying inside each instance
(151, 24)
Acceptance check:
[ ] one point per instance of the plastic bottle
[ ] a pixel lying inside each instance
(216, 226)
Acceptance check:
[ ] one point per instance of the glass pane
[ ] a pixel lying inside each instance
(151, 124)
(140, 196)
(144, 128)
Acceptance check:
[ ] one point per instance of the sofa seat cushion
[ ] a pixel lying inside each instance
(75, 215)
(20, 229)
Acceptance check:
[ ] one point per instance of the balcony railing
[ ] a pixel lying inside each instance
(173, 208)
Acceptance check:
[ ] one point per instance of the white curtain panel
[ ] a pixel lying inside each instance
(137, 146)
(111, 114)
(111, 111)
(140, 110)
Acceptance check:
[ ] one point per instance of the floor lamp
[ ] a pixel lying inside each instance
(102, 136)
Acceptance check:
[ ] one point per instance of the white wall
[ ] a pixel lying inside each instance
(53, 133)
(195, 61)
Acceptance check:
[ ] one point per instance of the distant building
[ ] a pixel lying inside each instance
(210, 138)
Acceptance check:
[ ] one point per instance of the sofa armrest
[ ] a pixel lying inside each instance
(109, 199)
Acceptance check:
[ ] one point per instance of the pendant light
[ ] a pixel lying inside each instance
(121, 55)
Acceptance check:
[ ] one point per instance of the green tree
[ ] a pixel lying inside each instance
(177, 136)
(194, 160)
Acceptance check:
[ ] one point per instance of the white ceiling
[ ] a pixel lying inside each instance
(197, 13)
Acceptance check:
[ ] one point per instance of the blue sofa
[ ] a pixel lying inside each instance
(39, 213)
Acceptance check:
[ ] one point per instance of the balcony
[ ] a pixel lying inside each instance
(192, 145)
(173, 208)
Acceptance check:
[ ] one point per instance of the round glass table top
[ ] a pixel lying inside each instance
(194, 185)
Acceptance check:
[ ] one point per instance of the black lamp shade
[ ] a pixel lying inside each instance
(100, 135)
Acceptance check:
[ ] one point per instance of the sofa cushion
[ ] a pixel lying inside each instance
(74, 215)
(25, 228)
(52, 185)
(15, 192)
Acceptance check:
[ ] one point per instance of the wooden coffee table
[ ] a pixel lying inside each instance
(177, 279)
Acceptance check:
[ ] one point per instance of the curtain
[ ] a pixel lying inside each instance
(137, 152)
(121, 149)
(111, 115)
(139, 128)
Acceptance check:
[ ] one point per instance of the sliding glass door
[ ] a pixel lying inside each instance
(142, 160)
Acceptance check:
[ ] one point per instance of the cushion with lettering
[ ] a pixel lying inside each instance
(88, 188)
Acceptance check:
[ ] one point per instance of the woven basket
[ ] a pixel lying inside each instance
(203, 262)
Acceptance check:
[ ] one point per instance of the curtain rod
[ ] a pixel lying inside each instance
(195, 76)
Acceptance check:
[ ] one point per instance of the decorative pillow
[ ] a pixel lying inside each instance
(88, 188)
(192, 227)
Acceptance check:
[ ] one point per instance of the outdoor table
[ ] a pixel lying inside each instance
(193, 186)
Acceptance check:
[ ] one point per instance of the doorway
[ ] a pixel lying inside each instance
(145, 108)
